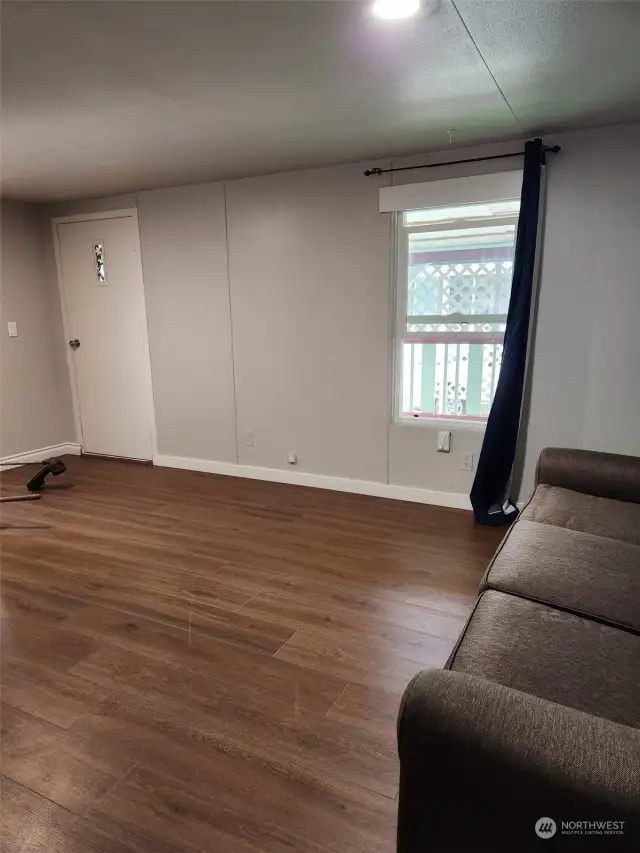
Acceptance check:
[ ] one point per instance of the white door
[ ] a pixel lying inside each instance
(105, 321)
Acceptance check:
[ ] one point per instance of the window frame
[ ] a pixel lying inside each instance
(402, 234)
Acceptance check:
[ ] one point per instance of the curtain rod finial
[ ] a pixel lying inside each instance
(374, 171)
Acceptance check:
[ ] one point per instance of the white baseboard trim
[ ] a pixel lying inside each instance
(71, 449)
(317, 481)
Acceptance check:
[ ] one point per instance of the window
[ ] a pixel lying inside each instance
(455, 265)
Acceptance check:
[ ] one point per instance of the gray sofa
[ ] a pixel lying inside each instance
(537, 713)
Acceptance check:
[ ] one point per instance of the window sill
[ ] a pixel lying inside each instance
(453, 424)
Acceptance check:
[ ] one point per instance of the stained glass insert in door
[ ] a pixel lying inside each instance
(100, 267)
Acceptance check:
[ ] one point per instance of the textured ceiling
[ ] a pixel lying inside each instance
(106, 97)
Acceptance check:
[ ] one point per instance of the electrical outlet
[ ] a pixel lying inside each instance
(248, 438)
(466, 462)
(292, 458)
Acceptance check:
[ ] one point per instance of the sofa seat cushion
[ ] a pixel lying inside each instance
(553, 654)
(585, 513)
(591, 575)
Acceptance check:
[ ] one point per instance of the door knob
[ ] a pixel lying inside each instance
(74, 344)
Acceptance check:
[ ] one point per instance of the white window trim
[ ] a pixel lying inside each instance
(442, 422)
(450, 192)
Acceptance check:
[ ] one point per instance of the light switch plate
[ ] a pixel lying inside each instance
(13, 329)
(444, 441)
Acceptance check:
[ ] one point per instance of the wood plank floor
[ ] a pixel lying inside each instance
(200, 663)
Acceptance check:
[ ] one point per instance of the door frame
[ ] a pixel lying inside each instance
(124, 213)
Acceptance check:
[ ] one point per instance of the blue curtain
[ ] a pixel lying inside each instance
(489, 499)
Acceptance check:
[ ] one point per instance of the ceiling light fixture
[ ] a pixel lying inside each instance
(393, 10)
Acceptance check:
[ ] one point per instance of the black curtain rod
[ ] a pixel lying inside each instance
(552, 149)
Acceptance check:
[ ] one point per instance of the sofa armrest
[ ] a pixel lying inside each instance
(480, 763)
(606, 475)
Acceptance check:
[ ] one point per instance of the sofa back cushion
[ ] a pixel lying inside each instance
(590, 575)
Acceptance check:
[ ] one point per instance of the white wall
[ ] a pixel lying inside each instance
(184, 264)
(35, 396)
(585, 390)
(92, 205)
(309, 326)
(309, 262)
